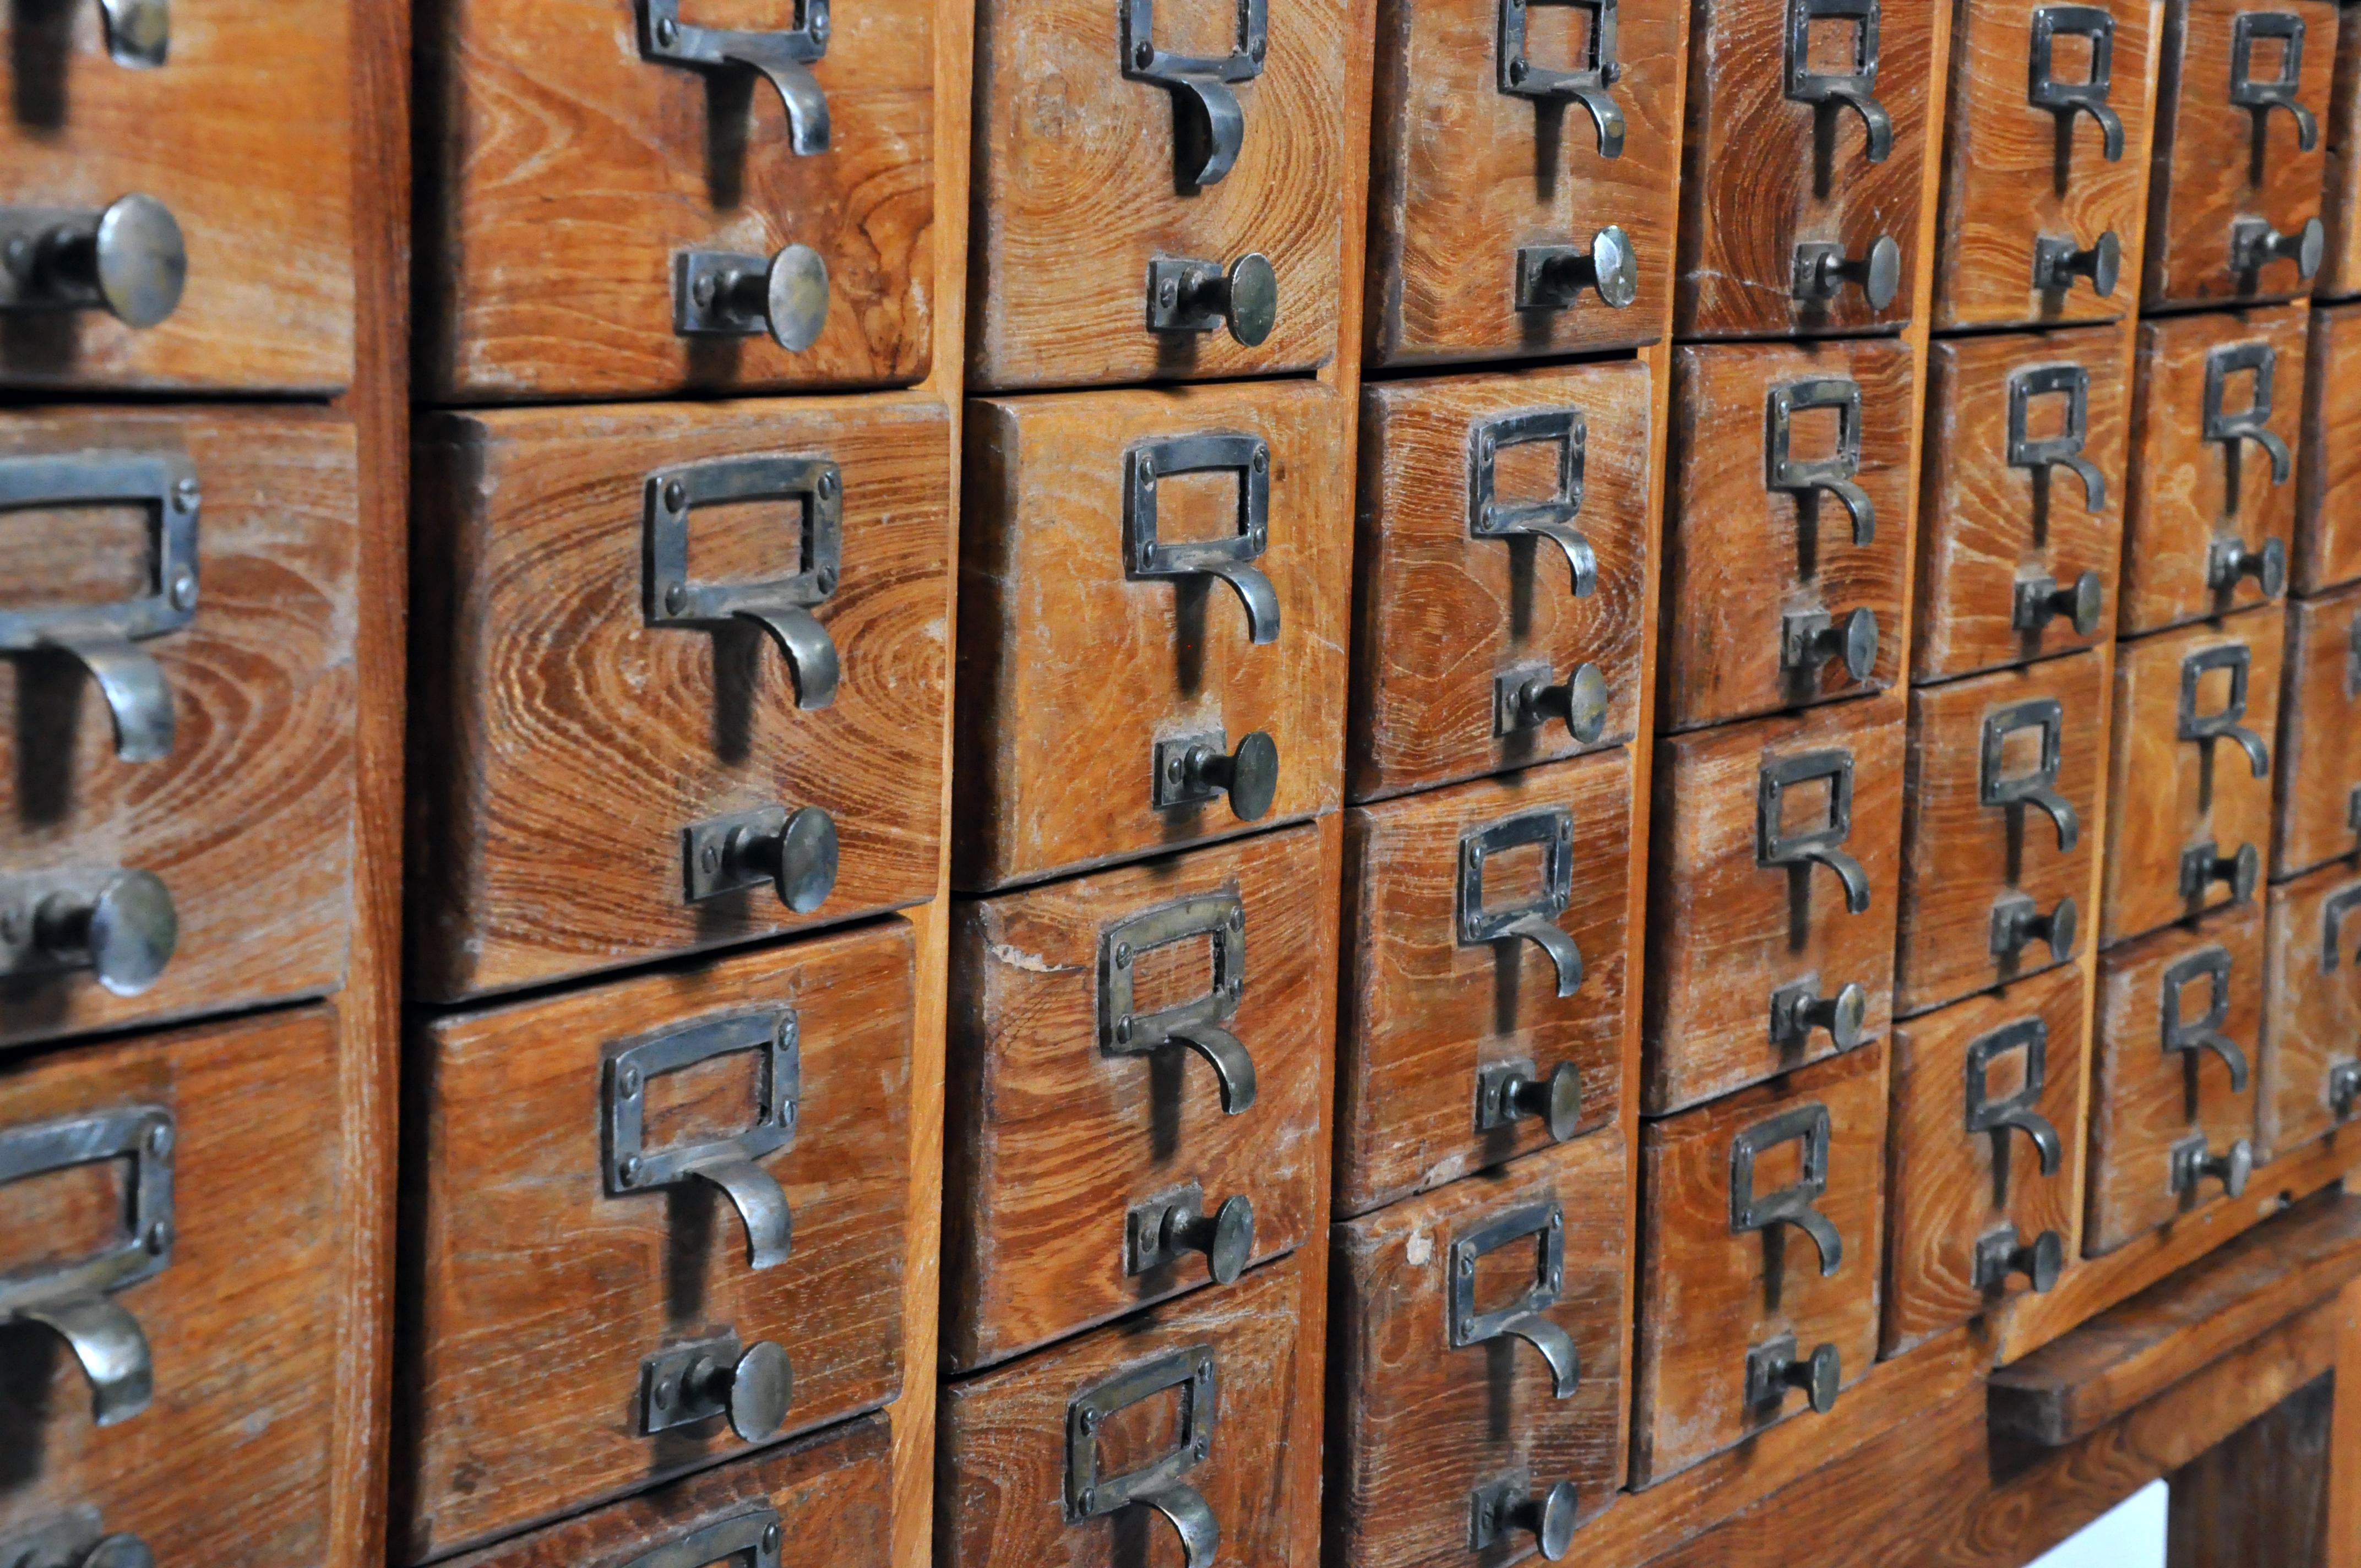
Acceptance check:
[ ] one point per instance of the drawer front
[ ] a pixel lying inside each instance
(700, 248)
(1479, 1334)
(1542, 572)
(1781, 182)
(2173, 1103)
(2328, 493)
(633, 1190)
(2189, 792)
(1155, 1037)
(2339, 270)
(216, 760)
(1121, 552)
(2043, 185)
(1489, 953)
(225, 174)
(2000, 823)
(2211, 497)
(1786, 541)
(1092, 170)
(1771, 901)
(2025, 486)
(703, 769)
(1563, 150)
(1759, 1222)
(221, 1144)
(1987, 1152)
(2242, 106)
(2319, 781)
(1191, 1411)
(830, 1495)
(2308, 1081)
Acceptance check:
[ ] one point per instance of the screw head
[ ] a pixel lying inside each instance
(1204, 1445)
(630, 1081)
(1083, 1501)
(631, 1168)
(703, 292)
(770, 1537)
(1476, 853)
(827, 579)
(1143, 55)
(667, 32)
(184, 494)
(184, 589)
(160, 1237)
(827, 486)
(1467, 1265)
(1122, 954)
(1168, 295)
(676, 599)
(787, 1114)
(1558, 1222)
(710, 858)
(815, 18)
(160, 1139)
(1090, 1421)
(1517, 69)
(20, 253)
(1122, 1031)
(675, 495)
(667, 1390)
(1262, 462)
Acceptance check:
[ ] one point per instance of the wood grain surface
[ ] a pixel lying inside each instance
(562, 172)
(1989, 524)
(2165, 795)
(1739, 556)
(2015, 172)
(1071, 671)
(231, 1461)
(2339, 270)
(2328, 495)
(531, 1297)
(246, 136)
(2316, 775)
(2183, 491)
(2217, 163)
(2312, 1010)
(1423, 1016)
(1960, 856)
(1052, 1142)
(1709, 1295)
(1463, 173)
(565, 743)
(250, 819)
(1725, 931)
(1417, 1426)
(1949, 1186)
(2261, 1495)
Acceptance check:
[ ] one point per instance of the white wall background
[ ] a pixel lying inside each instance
(2130, 1535)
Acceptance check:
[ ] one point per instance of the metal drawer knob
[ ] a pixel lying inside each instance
(2192, 1164)
(1808, 639)
(2202, 865)
(720, 293)
(1552, 277)
(2000, 1254)
(128, 260)
(1822, 271)
(2017, 923)
(1513, 1091)
(2057, 262)
(1195, 770)
(794, 852)
(2230, 559)
(1773, 1369)
(140, 35)
(1580, 702)
(754, 1390)
(2254, 244)
(2040, 600)
(1496, 1512)
(2344, 1089)
(122, 930)
(1198, 296)
(1163, 1231)
(1798, 1008)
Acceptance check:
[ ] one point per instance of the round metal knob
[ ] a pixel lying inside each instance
(800, 858)
(1844, 1015)
(1249, 774)
(2231, 560)
(1225, 1237)
(2239, 873)
(1550, 1519)
(1825, 269)
(2058, 928)
(133, 258)
(2233, 1170)
(756, 1391)
(125, 933)
(1250, 298)
(1853, 639)
(2057, 263)
(1557, 1099)
(118, 1551)
(1581, 704)
(2041, 1263)
(790, 295)
(1817, 1375)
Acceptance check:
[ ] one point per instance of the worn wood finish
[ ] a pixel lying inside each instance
(1741, 557)
(1053, 1141)
(1947, 1186)
(250, 819)
(2261, 1495)
(2328, 497)
(1071, 671)
(1710, 1294)
(564, 172)
(2184, 492)
(1960, 856)
(2317, 772)
(2167, 796)
(2145, 1097)
(231, 1460)
(2217, 161)
(1418, 1425)
(1727, 931)
(1000, 1466)
(1443, 615)
(2312, 1010)
(1465, 173)
(2340, 268)
(2344, 1432)
(570, 743)
(246, 137)
(1424, 1014)
(521, 1397)
(1991, 524)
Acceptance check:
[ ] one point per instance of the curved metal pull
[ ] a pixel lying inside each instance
(1209, 124)
(2272, 93)
(1232, 1065)
(2088, 96)
(2019, 1111)
(2063, 450)
(2333, 913)
(2094, 484)
(2261, 361)
(1197, 1024)
(138, 702)
(1856, 89)
(1535, 918)
(784, 59)
(1790, 1205)
(1998, 789)
(782, 607)
(1147, 555)
(1525, 1318)
(1556, 1347)
(762, 1205)
(1776, 846)
(1587, 85)
(1834, 474)
(1191, 1518)
(111, 1348)
(1157, 1484)
(2203, 1033)
(772, 1037)
(804, 642)
(1550, 518)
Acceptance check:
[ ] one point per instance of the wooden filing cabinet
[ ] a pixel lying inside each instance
(2318, 779)
(2328, 494)
(2308, 1077)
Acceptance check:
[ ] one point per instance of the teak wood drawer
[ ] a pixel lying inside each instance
(1141, 1067)
(1987, 1145)
(1160, 189)
(1186, 1420)
(167, 1219)
(2211, 508)
(2318, 778)
(681, 679)
(1758, 1254)
(2308, 1081)
(181, 182)
(1805, 161)
(1788, 526)
(2043, 182)
(2328, 493)
(617, 197)
(2242, 103)
(1522, 182)
(1770, 897)
(2173, 1103)
(1999, 826)
(1155, 597)
(1478, 1371)
(2022, 492)
(1508, 630)
(648, 1224)
(2340, 269)
(2188, 782)
(1488, 977)
(177, 613)
(827, 1496)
